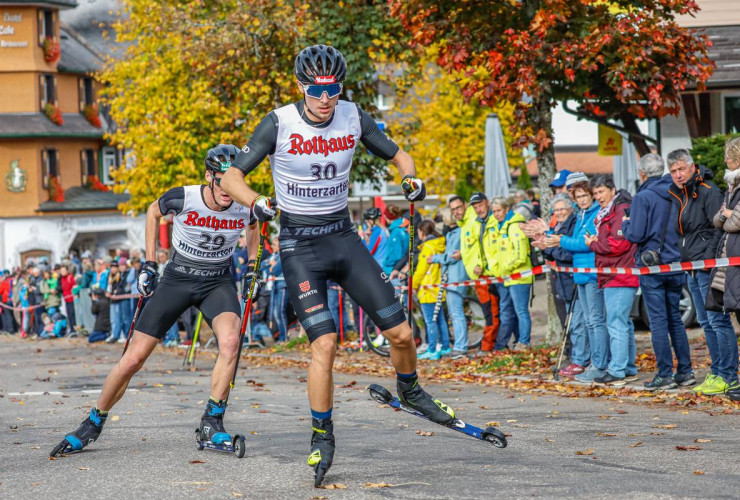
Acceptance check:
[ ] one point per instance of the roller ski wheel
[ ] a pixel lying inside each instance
(322, 449)
(88, 432)
(490, 434)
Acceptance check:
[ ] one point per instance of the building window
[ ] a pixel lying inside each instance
(50, 166)
(46, 25)
(88, 165)
(732, 114)
(385, 102)
(87, 96)
(111, 161)
(47, 90)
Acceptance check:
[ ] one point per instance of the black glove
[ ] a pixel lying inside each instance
(247, 279)
(148, 278)
(264, 208)
(413, 188)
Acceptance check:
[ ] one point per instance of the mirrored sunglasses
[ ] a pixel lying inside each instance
(316, 91)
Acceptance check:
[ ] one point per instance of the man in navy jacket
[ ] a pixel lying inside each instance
(650, 225)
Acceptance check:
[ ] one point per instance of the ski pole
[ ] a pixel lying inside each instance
(248, 305)
(569, 317)
(411, 264)
(190, 353)
(341, 319)
(362, 328)
(438, 304)
(133, 322)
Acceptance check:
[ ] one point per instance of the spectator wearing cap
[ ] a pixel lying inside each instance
(511, 255)
(558, 182)
(119, 306)
(100, 309)
(452, 264)
(376, 239)
(563, 286)
(697, 199)
(590, 296)
(650, 225)
(478, 230)
(612, 249)
(398, 242)
(725, 283)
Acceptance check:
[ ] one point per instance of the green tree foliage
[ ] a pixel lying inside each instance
(198, 73)
(710, 152)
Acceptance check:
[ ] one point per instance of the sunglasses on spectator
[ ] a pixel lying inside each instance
(316, 91)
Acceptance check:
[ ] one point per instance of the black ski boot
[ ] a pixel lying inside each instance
(212, 424)
(413, 396)
(322, 448)
(86, 433)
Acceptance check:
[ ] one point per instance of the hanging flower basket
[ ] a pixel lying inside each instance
(92, 115)
(54, 114)
(52, 50)
(56, 193)
(93, 182)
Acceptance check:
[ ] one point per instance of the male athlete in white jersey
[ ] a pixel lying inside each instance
(206, 228)
(311, 144)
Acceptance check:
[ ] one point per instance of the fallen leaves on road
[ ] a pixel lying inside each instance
(378, 485)
(589, 451)
(700, 440)
(699, 472)
(665, 426)
(493, 423)
(424, 433)
(690, 447)
(236, 494)
(197, 461)
(333, 486)
(84, 468)
(348, 385)
(639, 443)
(606, 434)
(547, 438)
(115, 418)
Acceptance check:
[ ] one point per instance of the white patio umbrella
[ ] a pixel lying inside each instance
(625, 167)
(497, 178)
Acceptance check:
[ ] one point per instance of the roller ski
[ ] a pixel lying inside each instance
(212, 435)
(416, 401)
(322, 448)
(86, 433)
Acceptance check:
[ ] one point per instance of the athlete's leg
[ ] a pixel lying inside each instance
(116, 382)
(403, 349)
(320, 379)
(226, 327)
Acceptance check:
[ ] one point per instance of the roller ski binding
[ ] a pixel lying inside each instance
(423, 406)
(86, 433)
(322, 448)
(211, 433)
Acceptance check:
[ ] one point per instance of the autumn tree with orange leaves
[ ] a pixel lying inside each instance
(619, 60)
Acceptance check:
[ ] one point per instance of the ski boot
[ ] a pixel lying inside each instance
(212, 435)
(322, 448)
(85, 434)
(413, 396)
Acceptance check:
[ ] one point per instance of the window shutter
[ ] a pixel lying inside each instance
(54, 24)
(45, 168)
(83, 168)
(40, 13)
(42, 91)
(81, 93)
(54, 90)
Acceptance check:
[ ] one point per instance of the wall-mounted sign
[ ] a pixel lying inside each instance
(16, 178)
(9, 30)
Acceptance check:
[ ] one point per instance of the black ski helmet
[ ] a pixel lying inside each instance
(320, 64)
(372, 214)
(220, 158)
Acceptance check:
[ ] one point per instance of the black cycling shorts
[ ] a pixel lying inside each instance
(343, 258)
(210, 290)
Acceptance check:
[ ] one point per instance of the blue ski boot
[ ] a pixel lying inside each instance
(212, 424)
(86, 433)
(322, 448)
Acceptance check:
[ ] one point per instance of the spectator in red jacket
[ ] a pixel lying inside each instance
(612, 249)
(7, 321)
(67, 280)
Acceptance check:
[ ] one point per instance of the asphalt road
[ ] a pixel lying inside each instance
(147, 448)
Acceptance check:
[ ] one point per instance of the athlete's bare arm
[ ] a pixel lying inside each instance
(153, 214)
(405, 163)
(233, 183)
(253, 238)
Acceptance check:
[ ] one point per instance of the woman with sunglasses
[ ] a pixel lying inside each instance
(311, 144)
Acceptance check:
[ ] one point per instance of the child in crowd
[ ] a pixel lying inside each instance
(55, 324)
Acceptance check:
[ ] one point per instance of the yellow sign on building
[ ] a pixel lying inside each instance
(610, 142)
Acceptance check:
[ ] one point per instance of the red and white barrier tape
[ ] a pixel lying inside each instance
(37, 306)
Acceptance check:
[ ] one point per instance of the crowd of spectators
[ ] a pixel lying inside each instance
(676, 216)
